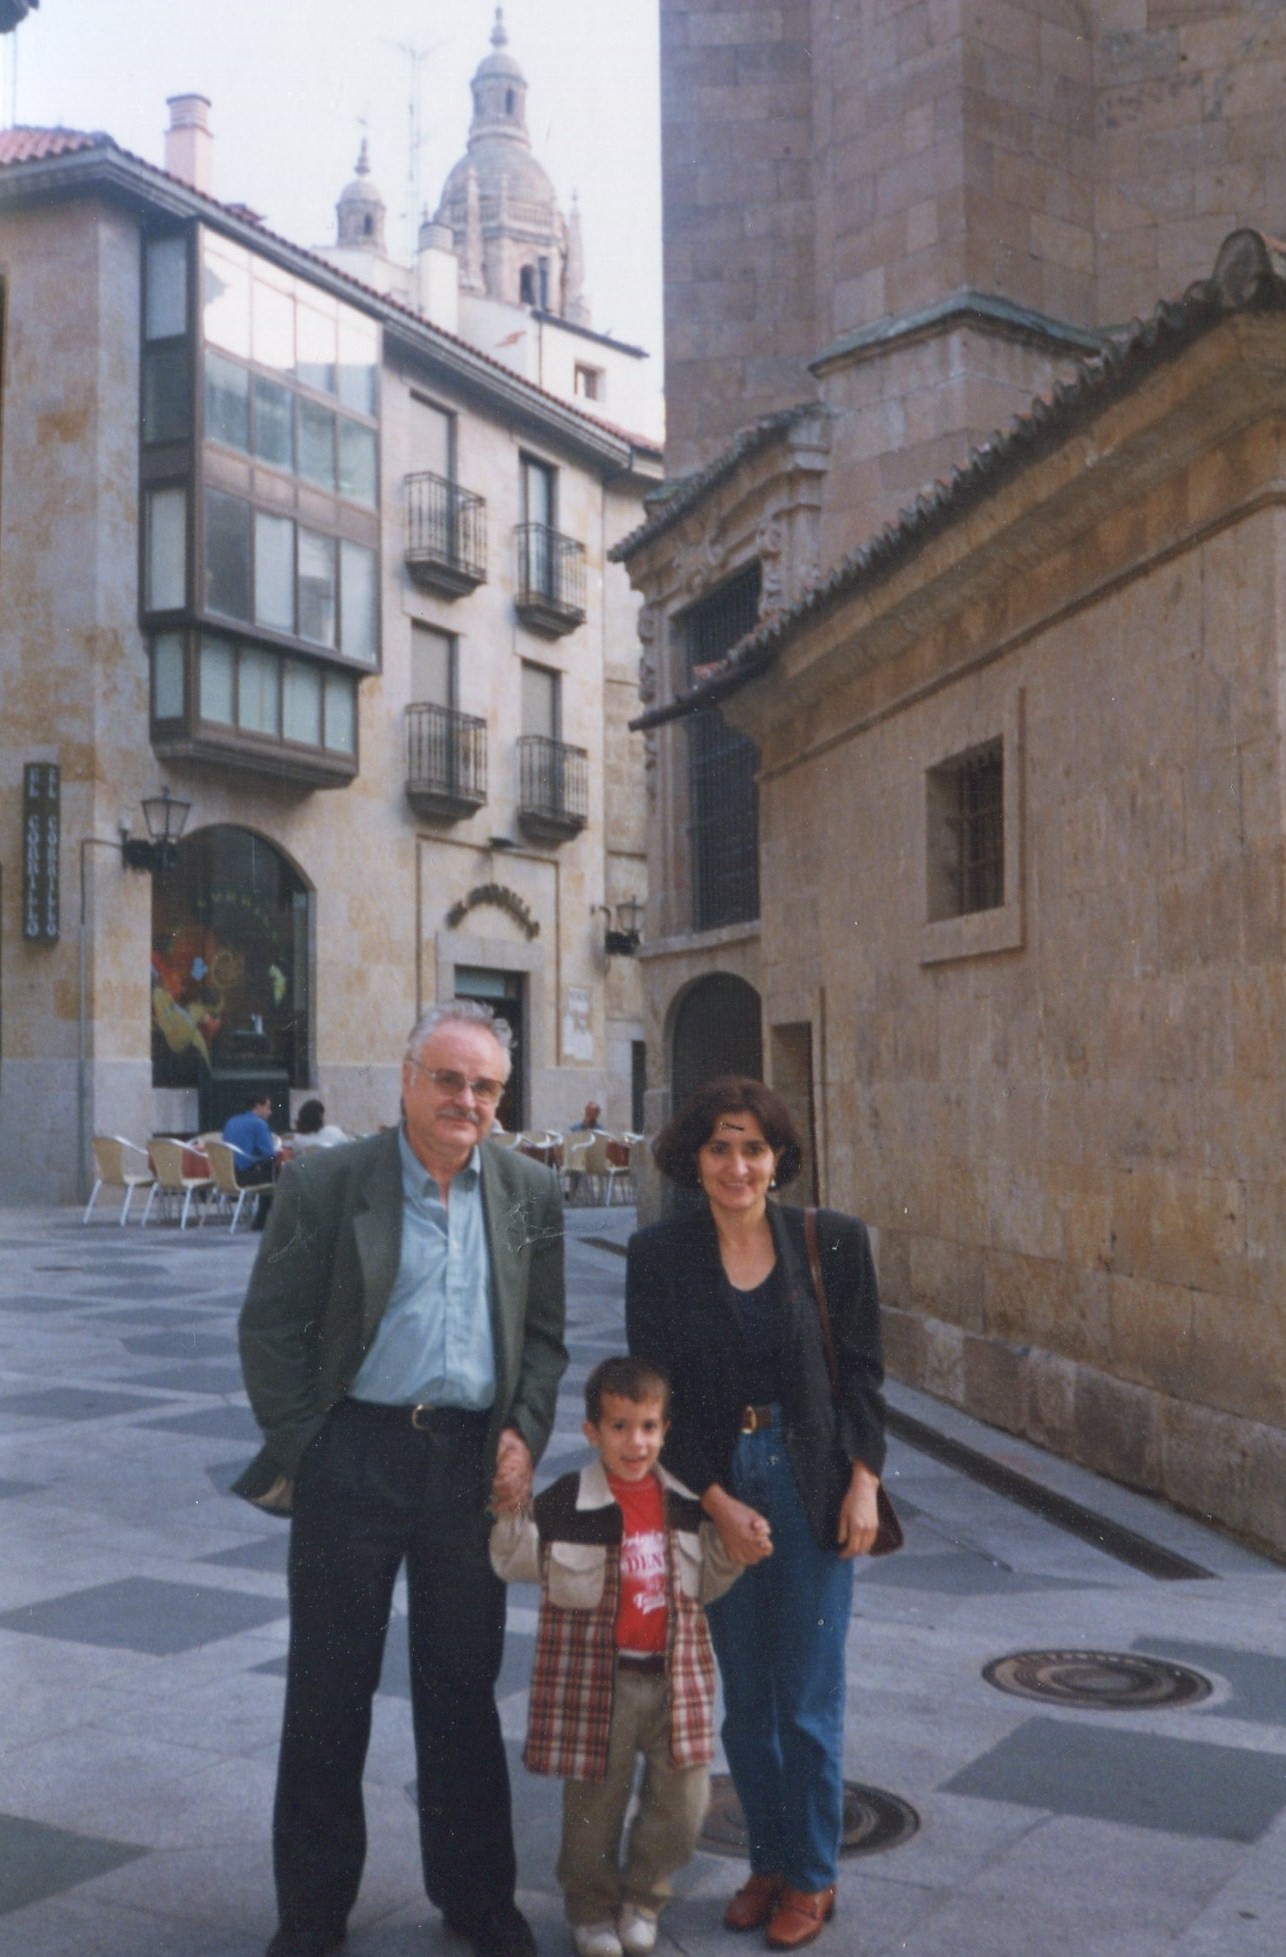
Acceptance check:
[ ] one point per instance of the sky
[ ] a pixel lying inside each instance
(295, 84)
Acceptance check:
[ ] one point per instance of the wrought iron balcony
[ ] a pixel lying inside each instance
(551, 580)
(446, 535)
(446, 761)
(553, 788)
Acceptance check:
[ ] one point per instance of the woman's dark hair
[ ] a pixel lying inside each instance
(677, 1146)
(310, 1118)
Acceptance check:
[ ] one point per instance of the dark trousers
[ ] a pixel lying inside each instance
(373, 1492)
(254, 1175)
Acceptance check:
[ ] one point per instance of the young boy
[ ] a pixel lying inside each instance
(623, 1666)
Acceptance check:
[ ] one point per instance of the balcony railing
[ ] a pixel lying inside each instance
(553, 787)
(446, 761)
(551, 580)
(446, 535)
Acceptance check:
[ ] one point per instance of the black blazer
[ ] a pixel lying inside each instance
(678, 1316)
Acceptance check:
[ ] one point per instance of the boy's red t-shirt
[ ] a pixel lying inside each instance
(641, 1615)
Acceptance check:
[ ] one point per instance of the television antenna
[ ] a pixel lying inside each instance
(415, 139)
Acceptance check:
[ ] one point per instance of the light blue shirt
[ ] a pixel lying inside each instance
(434, 1344)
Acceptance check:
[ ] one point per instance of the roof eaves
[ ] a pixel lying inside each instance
(1249, 275)
(101, 159)
(675, 501)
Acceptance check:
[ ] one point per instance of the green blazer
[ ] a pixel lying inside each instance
(322, 1280)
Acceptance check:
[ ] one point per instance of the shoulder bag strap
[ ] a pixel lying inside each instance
(819, 1292)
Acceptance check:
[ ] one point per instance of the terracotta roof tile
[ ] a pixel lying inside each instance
(36, 145)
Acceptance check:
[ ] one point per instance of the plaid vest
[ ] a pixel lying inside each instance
(574, 1672)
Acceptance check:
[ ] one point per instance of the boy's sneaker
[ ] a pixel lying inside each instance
(636, 1928)
(596, 1940)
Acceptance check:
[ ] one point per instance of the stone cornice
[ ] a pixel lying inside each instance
(1094, 436)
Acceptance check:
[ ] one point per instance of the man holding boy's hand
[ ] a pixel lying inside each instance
(402, 1342)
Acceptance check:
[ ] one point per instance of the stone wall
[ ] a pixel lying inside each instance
(1071, 1137)
(828, 167)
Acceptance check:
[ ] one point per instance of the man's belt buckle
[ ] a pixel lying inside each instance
(424, 1409)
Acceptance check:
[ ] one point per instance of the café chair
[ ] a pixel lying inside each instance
(173, 1177)
(602, 1162)
(227, 1191)
(118, 1164)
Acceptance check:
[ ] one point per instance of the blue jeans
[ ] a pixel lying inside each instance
(779, 1636)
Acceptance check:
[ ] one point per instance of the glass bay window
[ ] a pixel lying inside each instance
(260, 505)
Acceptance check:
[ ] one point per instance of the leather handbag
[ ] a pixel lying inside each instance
(888, 1532)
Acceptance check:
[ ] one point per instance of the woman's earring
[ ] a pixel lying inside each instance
(772, 1182)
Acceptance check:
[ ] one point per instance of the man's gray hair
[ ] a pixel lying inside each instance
(466, 1012)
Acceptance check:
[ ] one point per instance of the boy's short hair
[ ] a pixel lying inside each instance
(626, 1378)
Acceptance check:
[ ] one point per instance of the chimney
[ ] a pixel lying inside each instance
(189, 145)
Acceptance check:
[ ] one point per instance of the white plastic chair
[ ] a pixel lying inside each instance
(222, 1157)
(115, 1171)
(171, 1183)
(599, 1165)
(575, 1149)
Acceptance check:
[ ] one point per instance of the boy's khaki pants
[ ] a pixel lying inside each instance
(663, 1834)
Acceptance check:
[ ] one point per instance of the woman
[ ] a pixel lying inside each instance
(312, 1130)
(788, 1470)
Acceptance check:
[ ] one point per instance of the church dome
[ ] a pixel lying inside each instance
(499, 153)
(510, 236)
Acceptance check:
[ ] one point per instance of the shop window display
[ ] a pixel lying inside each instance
(229, 979)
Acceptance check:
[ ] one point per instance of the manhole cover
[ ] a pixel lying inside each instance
(1098, 1679)
(872, 1820)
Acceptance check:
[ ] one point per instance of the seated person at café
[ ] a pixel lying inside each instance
(256, 1146)
(312, 1130)
(592, 1118)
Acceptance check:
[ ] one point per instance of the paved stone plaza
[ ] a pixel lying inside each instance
(143, 1631)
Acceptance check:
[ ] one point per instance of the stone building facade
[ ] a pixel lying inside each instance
(340, 582)
(987, 685)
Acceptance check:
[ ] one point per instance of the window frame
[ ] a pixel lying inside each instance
(1000, 927)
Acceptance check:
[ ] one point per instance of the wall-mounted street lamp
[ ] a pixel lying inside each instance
(624, 932)
(165, 816)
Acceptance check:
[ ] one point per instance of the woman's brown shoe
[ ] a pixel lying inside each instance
(799, 1917)
(753, 1903)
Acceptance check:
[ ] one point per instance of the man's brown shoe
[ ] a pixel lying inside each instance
(753, 1903)
(799, 1917)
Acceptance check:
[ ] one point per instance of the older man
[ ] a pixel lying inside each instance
(402, 1342)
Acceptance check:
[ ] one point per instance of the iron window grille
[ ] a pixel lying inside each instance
(723, 830)
(967, 832)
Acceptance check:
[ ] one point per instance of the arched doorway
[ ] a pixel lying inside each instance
(230, 966)
(717, 1030)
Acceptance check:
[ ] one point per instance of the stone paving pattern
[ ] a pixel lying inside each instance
(143, 1631)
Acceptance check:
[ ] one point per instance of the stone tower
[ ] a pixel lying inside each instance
(834, 169)
(511, 239)
(360, 211)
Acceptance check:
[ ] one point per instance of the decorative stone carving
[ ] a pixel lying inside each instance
(647, 630)
(770, 548)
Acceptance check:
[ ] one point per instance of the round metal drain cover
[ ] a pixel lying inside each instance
(1102, 1680)
(872, 1820)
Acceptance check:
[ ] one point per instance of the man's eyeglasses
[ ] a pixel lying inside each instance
(452, 1082)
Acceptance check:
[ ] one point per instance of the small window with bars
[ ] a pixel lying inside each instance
(966, 832)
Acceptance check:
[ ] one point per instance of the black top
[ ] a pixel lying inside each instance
(680, 1315)
(759, 1312)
